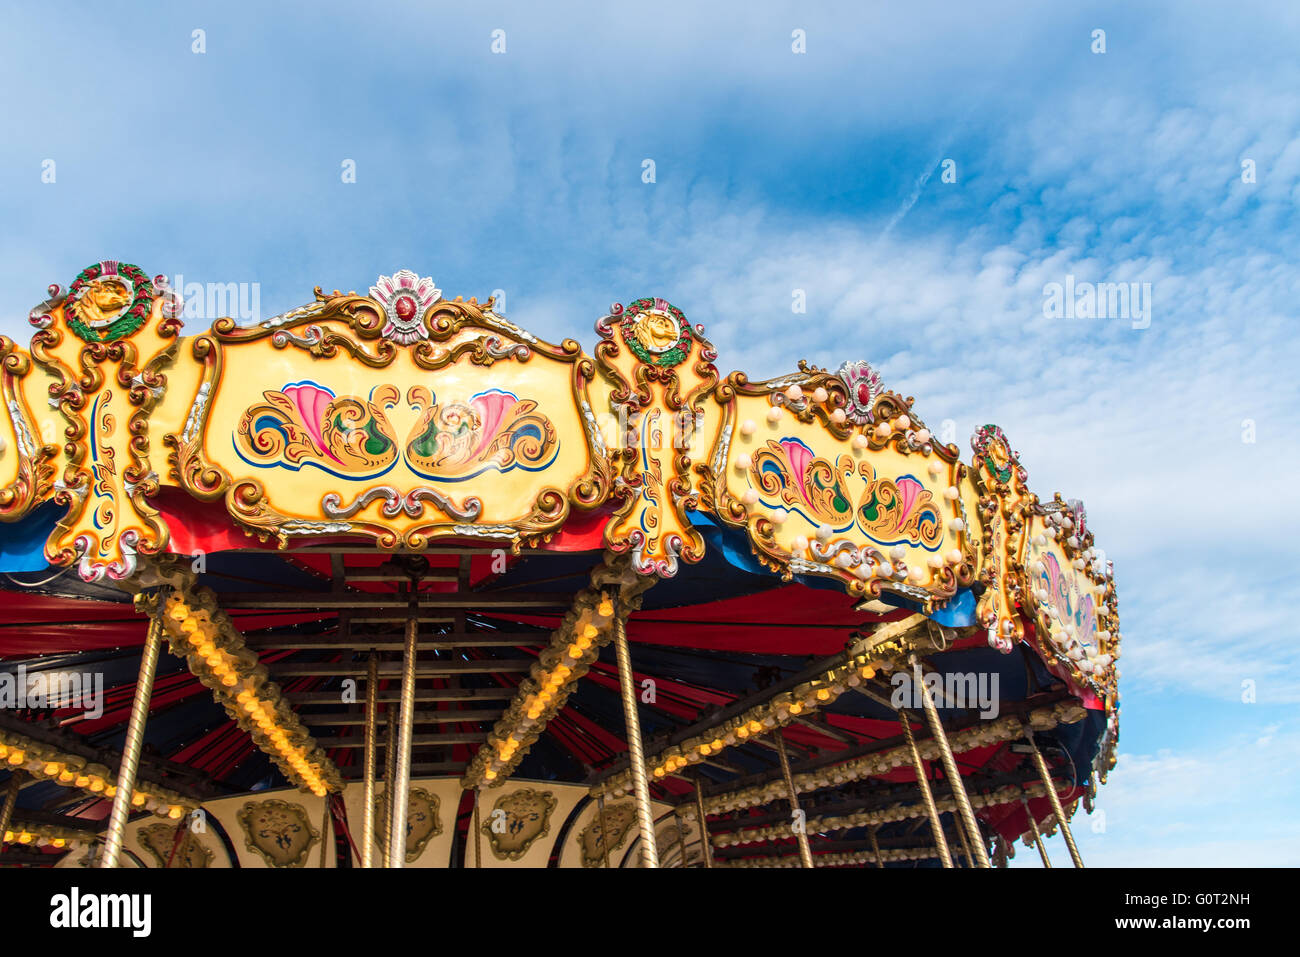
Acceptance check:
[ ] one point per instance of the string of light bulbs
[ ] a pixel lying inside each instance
(199, 631)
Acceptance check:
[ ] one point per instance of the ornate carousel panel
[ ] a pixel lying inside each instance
(430, 816)
(187, 844)
(283, 830)
(388, 557)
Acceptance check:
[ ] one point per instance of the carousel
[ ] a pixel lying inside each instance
(388, 557)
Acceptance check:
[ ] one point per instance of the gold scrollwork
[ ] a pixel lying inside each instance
(34, 472)
(605, 833)
(517, 820)
(174, 845)
(278, 831)
(423, 822)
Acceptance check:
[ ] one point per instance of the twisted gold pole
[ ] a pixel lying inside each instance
(640, 786)
(681, 836)
(390, 768)
(705, 841)
(368, 776)
(1038, 838)
(936, 826)
(478, 847)
(1050, 786)
(134, 742)
(402, 763)
(324, 831)
(875, 847)
(800, 828)
(11, 801)
(967, 816)
(604, 833)
(965, 845)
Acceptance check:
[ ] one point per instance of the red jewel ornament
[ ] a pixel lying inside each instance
(404, 307)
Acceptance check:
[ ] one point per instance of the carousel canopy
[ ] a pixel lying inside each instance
(819, 593)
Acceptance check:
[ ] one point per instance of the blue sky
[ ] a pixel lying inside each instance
(774, 172)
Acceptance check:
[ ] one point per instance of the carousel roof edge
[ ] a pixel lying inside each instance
(402, 419)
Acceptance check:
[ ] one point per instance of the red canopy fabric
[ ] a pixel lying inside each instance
(48, 624)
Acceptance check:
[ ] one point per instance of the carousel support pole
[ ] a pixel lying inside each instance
(134, 734)
(368, 777)
(604, 834)
(406, 717)
(875, 848)
(1053, 797)
(390, 766)
(965, 846)
(984, 842)
(640, 786)
(478, 847)
(800, 827)
(11, 801)
(1038, 838)
(681, 835)
(704, 827)
(324, 830)
(967, 815)
(936, 826)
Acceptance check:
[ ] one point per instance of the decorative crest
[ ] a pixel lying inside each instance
(406, 297)
(108, 301)
(862, 386)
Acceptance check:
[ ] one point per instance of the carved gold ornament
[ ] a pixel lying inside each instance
(160, 840)
(1069, 591)
(607, 829)
(517, 820)
(422, 821)
(26, 461)
(279, 831)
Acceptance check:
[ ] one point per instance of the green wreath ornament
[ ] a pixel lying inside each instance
(129, 321)
(670, 356)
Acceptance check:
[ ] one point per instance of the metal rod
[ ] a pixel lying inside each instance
(178, 838)
(704, 827)
(875, 847)
(965, 845)
(640, 786)
(797, 823)
(936, 826)
(967, 813)
(324, 831)
(390, 759)
(681, 836)
(984, 843)
(402, 768)
(368, 775)
(1053, 797)
(604, 834)
(11, 801)
(134, 742)
(1038, 838)
(478, 847)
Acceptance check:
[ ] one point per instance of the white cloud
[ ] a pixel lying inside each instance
(1226, 805)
